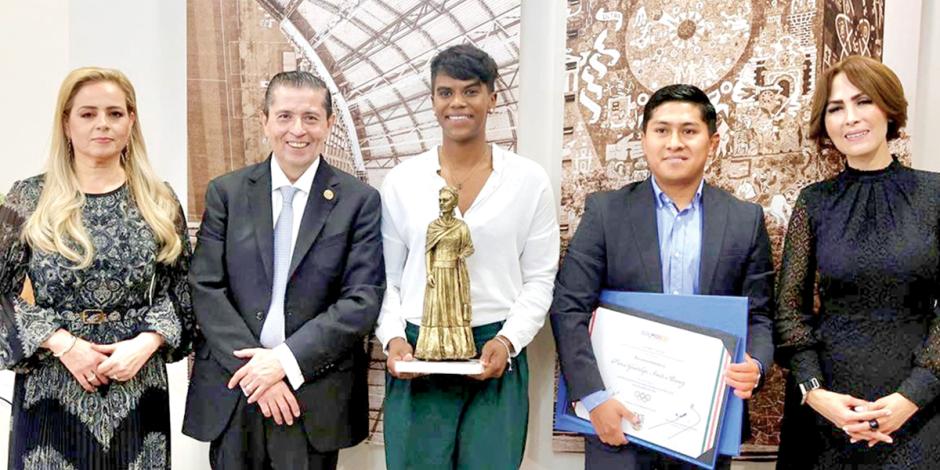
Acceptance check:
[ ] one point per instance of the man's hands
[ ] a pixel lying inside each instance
(278, 402)
(743, 377)
(262, 372)
(262, 381)
(128, 356)
(607, 419)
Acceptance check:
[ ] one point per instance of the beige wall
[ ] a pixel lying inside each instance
(33, 61)
(146, 39)
(926, 118)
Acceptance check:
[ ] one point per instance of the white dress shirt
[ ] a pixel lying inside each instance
(514, 230)
(299, 203)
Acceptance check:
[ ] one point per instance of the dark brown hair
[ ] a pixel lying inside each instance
(873, 79)
(297, 79)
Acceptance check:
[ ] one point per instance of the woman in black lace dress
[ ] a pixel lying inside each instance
(865, 367)
(104, 244)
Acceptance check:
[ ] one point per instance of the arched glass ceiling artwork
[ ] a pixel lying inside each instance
(376, 54)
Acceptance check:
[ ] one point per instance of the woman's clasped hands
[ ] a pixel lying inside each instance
(93, 365)
(871, 422)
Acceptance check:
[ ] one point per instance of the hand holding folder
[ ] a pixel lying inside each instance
(720, 317)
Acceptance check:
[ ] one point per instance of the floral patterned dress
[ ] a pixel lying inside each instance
(57, 424)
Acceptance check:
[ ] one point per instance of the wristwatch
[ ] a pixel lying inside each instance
(808, 386)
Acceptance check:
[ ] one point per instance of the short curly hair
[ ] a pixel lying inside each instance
(466, 62)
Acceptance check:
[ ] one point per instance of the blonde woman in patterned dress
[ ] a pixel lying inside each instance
(103, 242)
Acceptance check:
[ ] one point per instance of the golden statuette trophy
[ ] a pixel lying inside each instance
(445, 333)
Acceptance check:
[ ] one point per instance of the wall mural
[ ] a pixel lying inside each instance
(757, 60)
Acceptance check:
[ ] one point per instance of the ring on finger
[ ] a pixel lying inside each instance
(90, 377)
(873, 424)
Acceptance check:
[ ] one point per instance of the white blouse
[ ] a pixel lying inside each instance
(515, 236)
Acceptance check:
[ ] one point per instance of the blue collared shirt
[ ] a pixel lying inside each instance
(680, 241)
(680, 252)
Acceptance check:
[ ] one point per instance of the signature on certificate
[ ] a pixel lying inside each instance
(681, 421)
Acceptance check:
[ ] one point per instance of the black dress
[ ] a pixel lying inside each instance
(55, 423)
(868, 241)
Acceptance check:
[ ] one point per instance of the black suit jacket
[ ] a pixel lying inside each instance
(334, 291)
(616, 247)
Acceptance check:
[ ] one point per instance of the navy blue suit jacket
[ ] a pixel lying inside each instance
(336, 281)
(616, 247)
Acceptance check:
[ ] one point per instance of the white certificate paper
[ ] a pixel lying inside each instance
(672, 377)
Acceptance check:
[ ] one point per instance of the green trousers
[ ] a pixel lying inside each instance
(441, 422)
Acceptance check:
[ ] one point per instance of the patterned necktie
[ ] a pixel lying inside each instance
(272, 333)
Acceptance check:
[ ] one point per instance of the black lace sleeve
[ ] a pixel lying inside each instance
(171, 312)
(796, 339)
(922, 386)
(23, 327)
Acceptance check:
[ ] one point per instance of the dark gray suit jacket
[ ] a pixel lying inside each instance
(616, 247)
(334, 292)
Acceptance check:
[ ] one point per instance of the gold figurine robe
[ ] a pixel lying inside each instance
(445, 325)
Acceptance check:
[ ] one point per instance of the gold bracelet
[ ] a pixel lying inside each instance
(74, 340)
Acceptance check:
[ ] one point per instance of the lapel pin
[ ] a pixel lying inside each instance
(328, 195)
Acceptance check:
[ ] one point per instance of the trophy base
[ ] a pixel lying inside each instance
(471, 367)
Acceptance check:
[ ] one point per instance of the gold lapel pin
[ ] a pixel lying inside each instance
(328, 195)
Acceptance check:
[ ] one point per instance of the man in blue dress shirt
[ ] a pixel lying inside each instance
(671, 233)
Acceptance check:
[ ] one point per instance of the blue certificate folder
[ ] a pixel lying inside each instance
(722, 313)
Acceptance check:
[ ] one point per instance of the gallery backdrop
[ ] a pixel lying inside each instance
(148, 40)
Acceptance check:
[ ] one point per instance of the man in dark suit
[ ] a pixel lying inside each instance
(670, 233)
(287, 280)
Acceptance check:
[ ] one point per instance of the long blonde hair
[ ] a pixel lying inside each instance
(56, 224)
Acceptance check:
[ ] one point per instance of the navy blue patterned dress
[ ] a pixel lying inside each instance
(57, 424)
(867, 242)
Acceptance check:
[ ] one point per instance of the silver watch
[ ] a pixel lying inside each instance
(808, 386)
